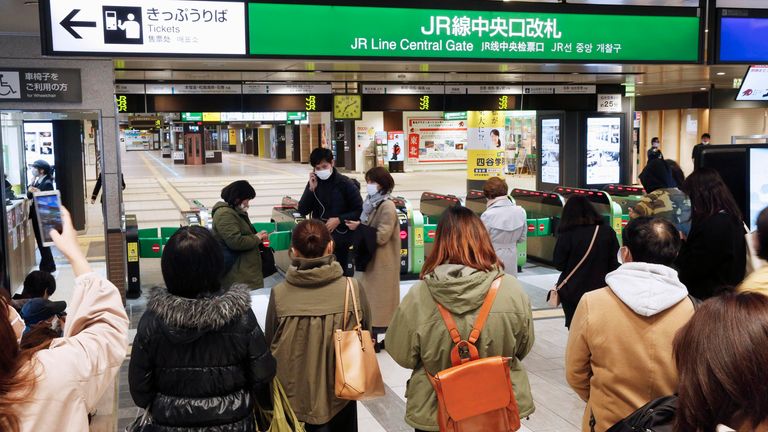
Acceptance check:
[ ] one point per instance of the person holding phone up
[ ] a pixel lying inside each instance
(42, 182)
(334, 199)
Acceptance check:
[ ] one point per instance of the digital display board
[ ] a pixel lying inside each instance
(754, 87)
(603, 150)
(743, 39)
(377, 32)
(550, 150)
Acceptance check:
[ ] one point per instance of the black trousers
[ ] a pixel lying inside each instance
(46, 256)
(344, 421)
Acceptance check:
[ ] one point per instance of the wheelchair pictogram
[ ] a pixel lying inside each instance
(6, 88)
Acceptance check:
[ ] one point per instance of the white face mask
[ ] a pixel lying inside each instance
(324, 174)
(372, 188)
(620, 256)
(244, 207)
(34, 172)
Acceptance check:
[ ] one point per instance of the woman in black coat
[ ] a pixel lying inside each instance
(199, 359)
(714, 255)
(42, 182)
(577, 226)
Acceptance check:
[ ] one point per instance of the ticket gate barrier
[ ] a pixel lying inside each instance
(604, 204)
(132, 252)
(626, 197)
(432, 207)
(477, 202)
(285, 217)
(543, 210)
(411, 237)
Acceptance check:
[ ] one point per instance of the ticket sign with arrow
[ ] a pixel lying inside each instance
(143, 27)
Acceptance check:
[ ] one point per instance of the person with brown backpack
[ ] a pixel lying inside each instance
(464, 329)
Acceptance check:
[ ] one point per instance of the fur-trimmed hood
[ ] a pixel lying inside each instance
(200, 314)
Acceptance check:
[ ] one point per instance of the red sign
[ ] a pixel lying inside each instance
(541, 227)
(155, 248)
(431, 234)
(413, 146)
(265, 243)
(531, 228)
(403, 235)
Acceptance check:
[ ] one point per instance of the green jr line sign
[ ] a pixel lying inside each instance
(358, 31)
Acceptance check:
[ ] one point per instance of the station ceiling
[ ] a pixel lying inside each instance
(21, 16)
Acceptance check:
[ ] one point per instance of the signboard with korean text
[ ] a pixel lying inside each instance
(40, 85)
(469, 34)
(169, 27)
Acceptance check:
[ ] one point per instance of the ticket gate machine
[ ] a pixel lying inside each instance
(626, 197)
(543, 210)
(285, 217)
(604, 204)
(432, 207)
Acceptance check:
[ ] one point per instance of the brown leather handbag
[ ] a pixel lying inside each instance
(475, 395)
(357, 370)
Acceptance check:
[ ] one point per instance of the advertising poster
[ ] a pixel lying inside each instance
(413, 146)
(603, 150)
(550, 151)
(363, 137)
(486, 150)
(439, 140)
(758, 183)
(395, 146)
(484, 164)
(38, 142)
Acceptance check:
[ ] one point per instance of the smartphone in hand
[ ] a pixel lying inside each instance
(48, 209)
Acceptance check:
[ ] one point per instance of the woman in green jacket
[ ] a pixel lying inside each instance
(302, 315)
(239, 240)
(458, 275)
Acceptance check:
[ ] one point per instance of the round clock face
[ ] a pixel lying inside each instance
(347, 106)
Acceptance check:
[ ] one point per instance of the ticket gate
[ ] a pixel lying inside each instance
(543, 210)
(604, 204)
(626, 197)
(432, 207)
(285, 217)
(411, 224)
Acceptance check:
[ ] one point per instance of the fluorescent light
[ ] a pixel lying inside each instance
(702, 88)
(721, 73)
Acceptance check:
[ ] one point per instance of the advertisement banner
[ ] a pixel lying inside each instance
(469, 34)
(603, 150)
(439, 140)
(550, 151)
(395, 144)
(485, 130)
(413, 146)
(484, 164)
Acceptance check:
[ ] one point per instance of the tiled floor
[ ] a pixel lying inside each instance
(157, 191)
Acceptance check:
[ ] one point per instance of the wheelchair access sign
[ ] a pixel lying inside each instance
(40, 85)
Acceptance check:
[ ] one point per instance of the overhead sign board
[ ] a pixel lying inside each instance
(755, 84)
(197, 88)
(741, 39)
(468, 34)
(40, 85)
(287, 88)
(167, 27)
(191, 116)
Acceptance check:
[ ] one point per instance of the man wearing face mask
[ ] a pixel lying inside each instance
(655, 151)
(42, 181)
(705, 139)
(334, 199)
(240, 243)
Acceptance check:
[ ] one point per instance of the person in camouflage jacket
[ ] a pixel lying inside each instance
(663, 199)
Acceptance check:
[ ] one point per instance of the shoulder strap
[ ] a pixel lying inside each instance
(482, 317)
(350, 289)
(584, 258)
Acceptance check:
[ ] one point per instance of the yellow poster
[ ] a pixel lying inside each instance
(233, 137)
(133, 252)
(484, 164)
(485, 119)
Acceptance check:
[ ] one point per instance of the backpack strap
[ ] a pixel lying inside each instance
(465, 351)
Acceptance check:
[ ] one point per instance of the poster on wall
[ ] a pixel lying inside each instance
(439, 140)
(603, 150)
(758, 183)
(395, 146)
(486, 153)
(550, 151)
(38, 142)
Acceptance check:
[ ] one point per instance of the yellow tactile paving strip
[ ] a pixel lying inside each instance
(178, 199)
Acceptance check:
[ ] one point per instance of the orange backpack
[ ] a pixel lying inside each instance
(475, 394)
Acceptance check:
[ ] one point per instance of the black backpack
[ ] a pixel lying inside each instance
(657, 415)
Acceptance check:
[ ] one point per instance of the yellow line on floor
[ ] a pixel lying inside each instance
(178, 199)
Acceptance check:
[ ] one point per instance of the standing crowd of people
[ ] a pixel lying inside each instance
(668, 311)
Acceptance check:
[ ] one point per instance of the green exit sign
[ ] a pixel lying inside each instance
(296, 116)
(191, 116)
(458, 115)
(470, 34)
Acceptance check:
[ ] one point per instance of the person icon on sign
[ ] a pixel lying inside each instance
(131, 28)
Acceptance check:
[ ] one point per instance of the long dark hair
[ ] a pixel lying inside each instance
(578, 211)
(461, 238)
(709, 195)
(17, 377)
(721, 356)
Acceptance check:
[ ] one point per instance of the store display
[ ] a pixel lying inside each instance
(603, 150)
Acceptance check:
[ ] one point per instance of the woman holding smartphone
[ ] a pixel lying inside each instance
(42, 182)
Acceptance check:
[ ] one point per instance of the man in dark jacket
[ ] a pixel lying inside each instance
(334, 199)
(43, 182)
(698, 148)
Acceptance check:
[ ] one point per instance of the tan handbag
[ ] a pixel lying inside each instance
(553, 297)
(357, 370)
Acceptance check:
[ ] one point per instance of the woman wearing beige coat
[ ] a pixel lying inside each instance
(54, 387)
(381, 278)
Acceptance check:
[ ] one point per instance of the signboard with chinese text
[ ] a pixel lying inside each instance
(287, 88)
(484, 164)
(469, 34)
(144, 27)
(40, 85)
(438, 140)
